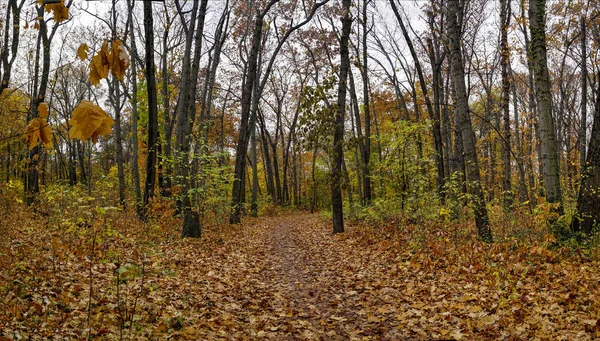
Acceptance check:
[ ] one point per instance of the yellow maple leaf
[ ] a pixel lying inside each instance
(100, 64)
(61, 12)
(38, 129)
(120, 60)
(94, 75)
(89, 121)
(82, 51)
(43, 110)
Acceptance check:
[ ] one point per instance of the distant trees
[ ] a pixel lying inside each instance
(254, 85)
(234, 106)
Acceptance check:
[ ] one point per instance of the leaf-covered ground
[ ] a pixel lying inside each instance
(285, 278)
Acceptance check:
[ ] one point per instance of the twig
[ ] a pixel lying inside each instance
(121, 319)
(21, 134)
(139, 292)
(90, 295)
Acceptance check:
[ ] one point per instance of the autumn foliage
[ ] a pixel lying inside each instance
(38, 129)
(89, 121)
(60, 11)
(114, 59)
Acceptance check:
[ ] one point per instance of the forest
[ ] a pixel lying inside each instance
(299, 169)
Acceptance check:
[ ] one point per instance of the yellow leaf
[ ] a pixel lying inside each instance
(100, 64)
(94, 75)
(120, 60)
(38, 129)
(43, 110)
(82, 51)
(61, 12)
(89, 121)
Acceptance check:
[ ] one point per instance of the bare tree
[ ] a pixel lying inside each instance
(10, 43)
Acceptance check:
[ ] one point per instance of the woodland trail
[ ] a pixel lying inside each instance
(305, 286)
(313, 279)
(288, 277)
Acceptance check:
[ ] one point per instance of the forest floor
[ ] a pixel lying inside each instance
(285, 277)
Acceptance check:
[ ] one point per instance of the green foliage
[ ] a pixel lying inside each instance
(208, 184)
(316, 120)
(409, 194)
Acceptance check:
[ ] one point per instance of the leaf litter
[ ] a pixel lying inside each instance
(285, 278)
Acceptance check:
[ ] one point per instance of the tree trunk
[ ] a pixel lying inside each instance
(523, 193)
(313, 201)
(32, 181)
(505, 14)
(338, 136)
(169, 121)
(253, 203)
(135, 171)
(468, 137)
(7, 58)
(152, 107)
(246, 102)
(584, 74)
(533, 117)
(81, 158)
(267, 160)
(588, 200)
(354, 109)
(547, 132)
(367, 143)
(186, 114)
(114, 89)
(291, 134)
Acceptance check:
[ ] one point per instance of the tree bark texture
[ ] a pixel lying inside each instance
(152, 107)
(547, 132)
(468, 137)
(505, 14)
(338, 136)
(588, 200)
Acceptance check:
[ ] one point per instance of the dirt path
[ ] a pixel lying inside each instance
(314, 285)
